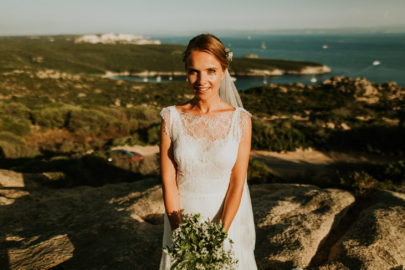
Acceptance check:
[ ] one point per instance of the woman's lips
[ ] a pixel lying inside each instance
(201, 88)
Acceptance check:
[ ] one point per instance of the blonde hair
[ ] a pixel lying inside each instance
(210, 44)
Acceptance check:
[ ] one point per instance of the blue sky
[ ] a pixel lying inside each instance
(174, 17)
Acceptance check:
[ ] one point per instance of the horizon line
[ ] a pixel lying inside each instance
(390, 29)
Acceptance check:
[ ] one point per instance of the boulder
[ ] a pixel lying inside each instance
(292, 220)
(376, 240)
(120, 226)
(111, 227)
(12, 179)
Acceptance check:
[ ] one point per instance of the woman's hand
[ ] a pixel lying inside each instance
(174, 219)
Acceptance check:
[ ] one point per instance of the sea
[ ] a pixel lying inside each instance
(377, 57)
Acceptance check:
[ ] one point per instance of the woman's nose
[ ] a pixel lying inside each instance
(202, 78)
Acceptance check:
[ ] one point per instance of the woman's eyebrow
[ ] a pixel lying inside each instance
(207, 68)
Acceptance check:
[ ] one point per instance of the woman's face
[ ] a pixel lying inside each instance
(204, 73)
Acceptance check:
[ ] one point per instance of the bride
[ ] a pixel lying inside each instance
(205, 148)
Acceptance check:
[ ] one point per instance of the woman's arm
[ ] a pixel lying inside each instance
(238, 176)
(168, 170)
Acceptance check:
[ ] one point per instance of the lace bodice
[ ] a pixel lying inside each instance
(205, 147)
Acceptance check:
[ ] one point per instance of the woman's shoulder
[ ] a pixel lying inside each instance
(244, 113)
(166, 111)
(245, 121)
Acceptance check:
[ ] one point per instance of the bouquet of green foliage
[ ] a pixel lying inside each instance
(200, 245)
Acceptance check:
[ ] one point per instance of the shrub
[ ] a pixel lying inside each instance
(258, 171)
(364, 177)
(277, 136)
(395, 171)
(12, 146)
(361, 182)
(54, 116)
(88, 120)
(14, 109)
(154, 135)
(142, 116)
(18, 126)
(384, 139)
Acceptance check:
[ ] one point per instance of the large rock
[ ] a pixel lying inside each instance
(292, 220)
(11, 179)
(120, 226)
(376, 240)
(360, 88)
(111, 227)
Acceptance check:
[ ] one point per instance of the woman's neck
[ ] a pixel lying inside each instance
(206, 105)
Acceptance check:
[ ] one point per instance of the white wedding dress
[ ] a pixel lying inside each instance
(205, 148)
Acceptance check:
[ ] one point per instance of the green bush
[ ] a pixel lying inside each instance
(258, 171)
(12, 146)
(18, 126)
(384, 139)
(128, 140)
(14, 109)
(277, 136)
(89, 120)
(361, 182)
(154, 135)
(365, 177)
(142, 117)
(54, 116)
(395, 171)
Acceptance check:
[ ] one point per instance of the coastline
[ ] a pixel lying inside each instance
(308, 70)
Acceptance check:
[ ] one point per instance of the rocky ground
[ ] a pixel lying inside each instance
(120, 226)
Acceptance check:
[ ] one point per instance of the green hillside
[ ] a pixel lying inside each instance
(55, 107)
(62, 54)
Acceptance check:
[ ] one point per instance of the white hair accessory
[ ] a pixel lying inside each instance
(229, 54)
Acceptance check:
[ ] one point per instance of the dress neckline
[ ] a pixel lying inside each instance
(182, 128)
(204, 115)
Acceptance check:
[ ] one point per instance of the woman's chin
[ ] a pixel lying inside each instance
(202, 94)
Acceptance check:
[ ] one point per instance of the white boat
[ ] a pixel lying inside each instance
(158, 78)
(376, 63)
(145, 79)
(313, 80)
(264, 45)
(325, 46)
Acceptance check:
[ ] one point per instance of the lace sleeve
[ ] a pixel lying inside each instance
(165, 114)
(245, 122)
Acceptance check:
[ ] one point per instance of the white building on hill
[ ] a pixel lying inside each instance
(112, 38)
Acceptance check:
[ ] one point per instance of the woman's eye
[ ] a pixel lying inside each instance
(211, 70)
